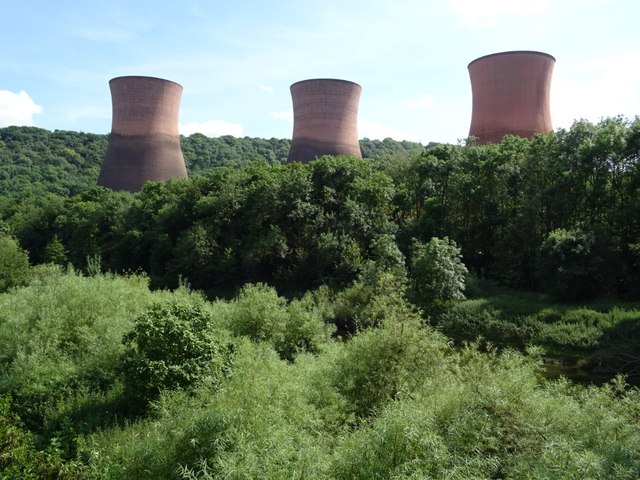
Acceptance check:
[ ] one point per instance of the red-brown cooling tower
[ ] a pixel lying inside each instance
(144, 143)
(510, 95)
(325, 119)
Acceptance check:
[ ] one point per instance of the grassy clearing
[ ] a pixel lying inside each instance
(589, 340)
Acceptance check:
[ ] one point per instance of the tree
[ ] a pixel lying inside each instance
(14, 263)
(437, 272)
(569, 264)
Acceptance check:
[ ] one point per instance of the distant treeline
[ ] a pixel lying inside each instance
(67, 163)
(560, 212)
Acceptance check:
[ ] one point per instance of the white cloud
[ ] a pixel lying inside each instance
(286, 115)
(597, 89)
(17, 108)
(424, 100)
(487, 13)
(266, 88)
(212, 128)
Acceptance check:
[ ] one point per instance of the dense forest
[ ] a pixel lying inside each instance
(67, 163)
(448, 311)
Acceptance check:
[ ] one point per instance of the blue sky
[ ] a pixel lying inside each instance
(237, 59)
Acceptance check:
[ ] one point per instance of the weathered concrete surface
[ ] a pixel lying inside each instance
(511, 92)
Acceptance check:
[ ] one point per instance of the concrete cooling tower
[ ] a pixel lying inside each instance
(144, 143)
(510, 95)
(325, 119)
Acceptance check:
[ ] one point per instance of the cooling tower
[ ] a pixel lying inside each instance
(144, 143)
(325, 119)
(510, 95)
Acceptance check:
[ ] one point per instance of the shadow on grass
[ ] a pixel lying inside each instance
(589, 341)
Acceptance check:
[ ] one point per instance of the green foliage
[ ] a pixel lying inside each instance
(437, 272)
(67, 163)
(380, 149)
(60, 340)
(569, 265)
(14, 264)
(592, 341)
(392, 400)
(373, 299)
(489, 417)
(259, 424)
(37, 161)
(55, 252)
(301, 226)
(384, 364)
(260, 314)
(19, 458)
(389, 397)
(173, 346)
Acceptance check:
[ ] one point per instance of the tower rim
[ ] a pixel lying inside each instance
(512, 52)
(143, 77)
(309, 80)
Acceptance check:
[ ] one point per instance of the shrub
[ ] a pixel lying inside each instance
(262, 315)
(20, 459)
(304, 331)
(259, 424)
(61, 337)
(382, 364)
(489, 416)
(173, 346)
(257, 312)
(437, 272)
(369, 301)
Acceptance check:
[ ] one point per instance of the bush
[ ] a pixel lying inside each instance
(61, 337)
(465, 322)
(173, 345)
(259, 424)
(262, 315)
(489, 416)
(437, 272)
(382, 364)
(20, 459)
(369, 301)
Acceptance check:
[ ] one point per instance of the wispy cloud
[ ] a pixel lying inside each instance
(212, 128)
(487, 13)
(266, 88)
(17, 108)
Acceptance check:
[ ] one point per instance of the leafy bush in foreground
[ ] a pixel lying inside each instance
(173, 346)
(488, 416)
(19, 457)
(61, 335)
